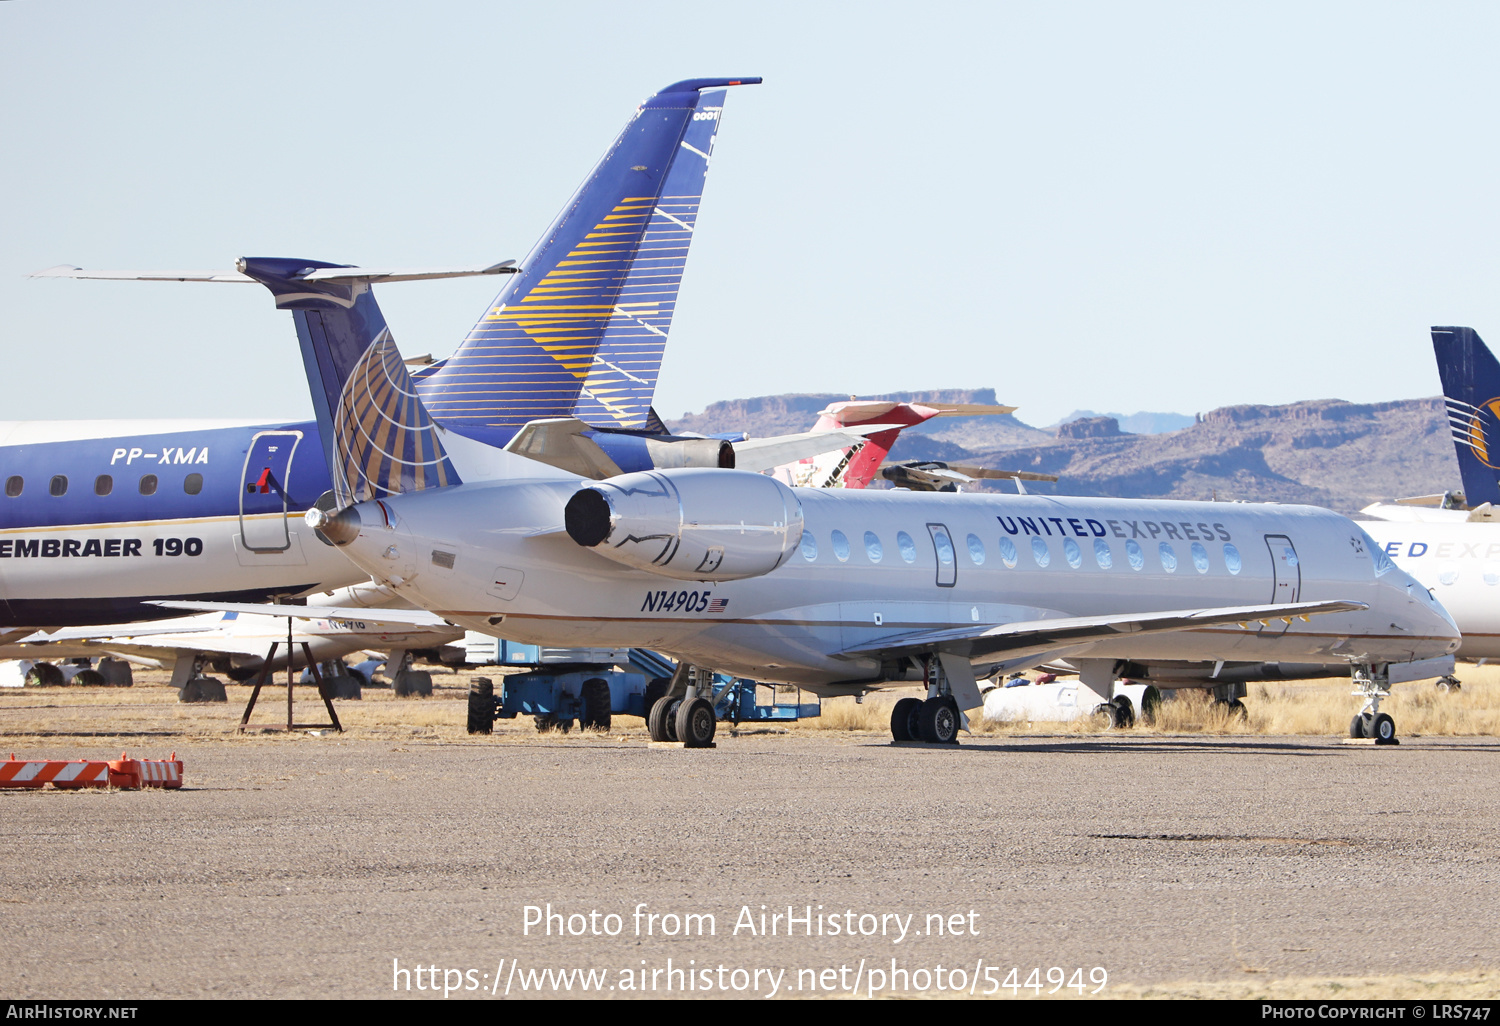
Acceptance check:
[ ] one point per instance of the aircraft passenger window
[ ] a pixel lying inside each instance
(809, 545)
(1168, 557)
(1491, 572)
(59, 485)
(1449, 574)
(103, 484)
(1039, 551)
(1008, 553)
(907, 546)
(193, 484)
(148, 484)
(840, 546)
(944, 547)
(1072, 553)
(976, 550)
(1232, 559)
(1200, 558)
(1134, 554)
(1102, 555)
(13, 485)
(872, 547)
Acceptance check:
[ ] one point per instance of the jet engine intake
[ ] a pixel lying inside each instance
(691, 524)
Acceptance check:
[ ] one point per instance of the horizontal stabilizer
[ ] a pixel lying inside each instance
(979, 641)
(560, 442)
(366, 614)
(331, 274)
(757, 454)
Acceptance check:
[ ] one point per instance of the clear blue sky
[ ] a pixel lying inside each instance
(1110, 206)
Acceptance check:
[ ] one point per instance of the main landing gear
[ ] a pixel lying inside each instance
(1373, 684)
(937, 720)
(682, 714)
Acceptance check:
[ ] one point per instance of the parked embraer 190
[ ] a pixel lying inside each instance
(840, 591)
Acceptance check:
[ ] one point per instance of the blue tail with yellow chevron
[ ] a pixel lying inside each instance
(377, 437)
(1471, 392)
(580, 330)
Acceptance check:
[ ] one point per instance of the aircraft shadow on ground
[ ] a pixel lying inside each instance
(1099, 746)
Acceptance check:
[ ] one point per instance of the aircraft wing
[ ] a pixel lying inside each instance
(337, 274)
(366, 614)
(757, 454)
(1018, 638)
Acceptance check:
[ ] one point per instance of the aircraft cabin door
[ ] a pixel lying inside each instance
(947, 560)
(1285, 569)
(263, 491)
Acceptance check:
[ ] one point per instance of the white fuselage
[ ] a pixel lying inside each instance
(493, 557)
(1458, 560)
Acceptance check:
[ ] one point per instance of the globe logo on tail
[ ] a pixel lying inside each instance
(1477, 427)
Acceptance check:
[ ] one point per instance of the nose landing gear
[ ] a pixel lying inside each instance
(1373, 684)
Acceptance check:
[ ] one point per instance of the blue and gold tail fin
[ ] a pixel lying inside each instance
(1471, 391)
(378, 438)
(622, 381)
(534, 351)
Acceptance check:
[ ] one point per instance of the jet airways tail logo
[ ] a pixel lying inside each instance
(1474, 426)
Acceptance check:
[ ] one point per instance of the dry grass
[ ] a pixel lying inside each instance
(149, 714)
(1319, 707)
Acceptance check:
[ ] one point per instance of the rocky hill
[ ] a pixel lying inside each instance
(1325, 452)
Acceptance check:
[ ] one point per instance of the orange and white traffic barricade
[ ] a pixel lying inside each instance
(129, 774)
(124, 773)
(35, 773)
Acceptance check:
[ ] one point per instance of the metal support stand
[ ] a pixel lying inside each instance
(261, 680)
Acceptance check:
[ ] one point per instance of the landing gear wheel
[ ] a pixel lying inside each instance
(937, 721)
(1124, 712)
(1357, 725)
(903, 719)
(661, 720)
(1238, 711)
(695, 723)
(1383, 729)
(596, 705)
(1150, 704)
(1449, 683)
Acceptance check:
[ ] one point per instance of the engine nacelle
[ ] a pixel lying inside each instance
(635, 453)
(692, 525)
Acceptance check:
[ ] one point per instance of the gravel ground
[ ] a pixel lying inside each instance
(300, 866)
